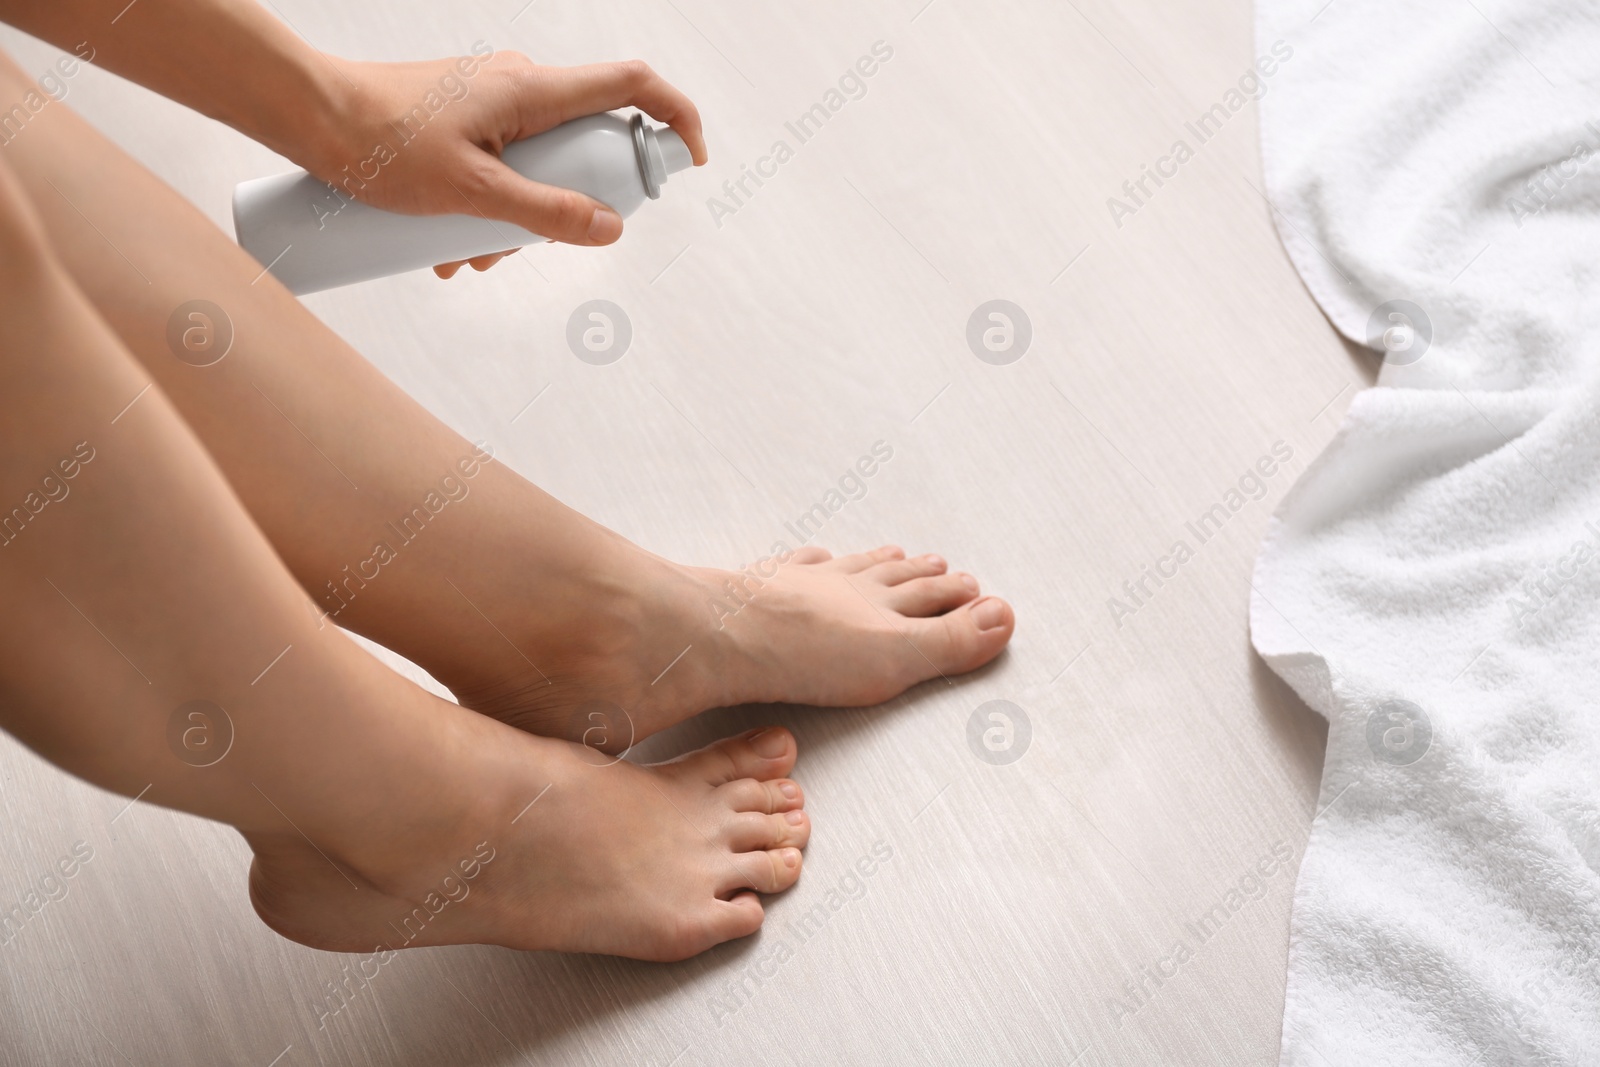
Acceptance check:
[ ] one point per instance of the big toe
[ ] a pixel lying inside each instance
(761, 754)
(968, 637)
(739, 916)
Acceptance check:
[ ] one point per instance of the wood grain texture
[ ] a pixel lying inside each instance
(827, 312)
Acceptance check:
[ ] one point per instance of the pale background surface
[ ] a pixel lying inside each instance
(768, 354)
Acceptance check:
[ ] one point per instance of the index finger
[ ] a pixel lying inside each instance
(585, 90)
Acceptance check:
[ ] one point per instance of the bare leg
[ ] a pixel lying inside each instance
(135, 585)
(303, 427)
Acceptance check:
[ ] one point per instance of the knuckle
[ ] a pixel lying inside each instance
(730, 761)
(527, 76)
(754, 916)
(687, 936)
(560, 214)
(574, 209)
(478, 177)
(742, 792)
(635, 71)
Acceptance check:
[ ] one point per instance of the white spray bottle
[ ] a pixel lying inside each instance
(314, 236)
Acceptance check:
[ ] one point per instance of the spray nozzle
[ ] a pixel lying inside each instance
(660, 152)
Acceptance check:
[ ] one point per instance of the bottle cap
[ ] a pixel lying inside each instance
(660, 152)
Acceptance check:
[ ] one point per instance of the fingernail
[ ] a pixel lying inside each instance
(789, 790)
(605, 226)
(769, 744)
(988, 614)
(794, 818)
(970, 582)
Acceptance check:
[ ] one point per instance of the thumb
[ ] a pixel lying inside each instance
(559, 214)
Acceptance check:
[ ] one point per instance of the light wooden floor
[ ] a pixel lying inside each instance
(825, 313)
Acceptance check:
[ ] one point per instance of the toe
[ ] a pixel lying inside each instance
(966, 638)
(749, 830)
(738, 916)
(747, 794)
(720, 920)
(766, 872)
(896, 571)
(762, 754)
(862, 560)
(932, 596)
(810, 554)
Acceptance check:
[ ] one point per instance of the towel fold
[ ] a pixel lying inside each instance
(1432, 583)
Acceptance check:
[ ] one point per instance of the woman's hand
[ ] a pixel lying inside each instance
(425, 138)
(422, 138)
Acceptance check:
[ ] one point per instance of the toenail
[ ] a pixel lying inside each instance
(988, 614)
(791, 857)
(789, 790)
(794, 818)
(970, 582)
(933, 560)
(769, 744)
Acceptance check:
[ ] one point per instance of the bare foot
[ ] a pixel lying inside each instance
(622, 658)
(654, 862)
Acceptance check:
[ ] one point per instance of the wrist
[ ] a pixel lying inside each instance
(313, 124)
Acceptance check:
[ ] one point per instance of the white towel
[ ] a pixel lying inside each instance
(1432, 583)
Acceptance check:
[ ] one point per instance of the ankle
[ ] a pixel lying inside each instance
(645, 624)
(440, 797)
(404, 878)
